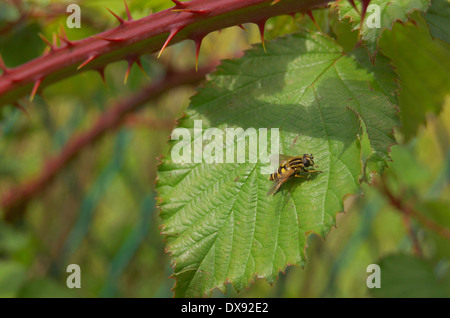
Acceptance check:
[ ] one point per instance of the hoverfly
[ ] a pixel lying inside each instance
(290, 167)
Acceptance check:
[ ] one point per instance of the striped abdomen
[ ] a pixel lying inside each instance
(295, 163)
(281, 170)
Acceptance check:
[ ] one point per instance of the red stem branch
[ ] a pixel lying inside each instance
(16, 199)
(132, 38)
(408, 211)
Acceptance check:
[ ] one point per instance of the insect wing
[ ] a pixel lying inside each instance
(278, 182)
(281, 159)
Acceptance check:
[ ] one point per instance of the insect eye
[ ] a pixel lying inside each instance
(306, 160)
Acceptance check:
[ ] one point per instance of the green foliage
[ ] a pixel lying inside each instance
(423, 68)
(220, 225)
(438, 19)
(426, 186)
(425, 189)
(389, 13)
(318, 85)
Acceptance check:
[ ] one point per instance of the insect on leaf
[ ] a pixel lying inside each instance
(218, 223)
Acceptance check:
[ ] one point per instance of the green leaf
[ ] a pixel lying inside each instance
(406, 277)
(423, 68)
(389, 13)
(218, 223)
(438, 19)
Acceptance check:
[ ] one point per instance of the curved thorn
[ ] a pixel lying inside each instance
(54, 40)
(63, 31)
(130, 18)
(46, 50)
(179, 4)
(36, 85)
(69, 43)
(242, 27)
(63, 36)
(310, 14)
(130, 64)
(198, 43)
(365, 4)
(121, 21)
(88, 60)
(43, 38)
(131, 61)
(352, 2)
(139, 64)
(293, 16)
(21, 108)
(101, 71)
(169, 38)
(261, 25)
(275, 2)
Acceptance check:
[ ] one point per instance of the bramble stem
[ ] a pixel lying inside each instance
(192, 20)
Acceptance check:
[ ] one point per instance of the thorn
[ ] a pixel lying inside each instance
(275, 2)
(198, 43)
(171, 35)
(179, 4)
(242, 27)
(293, 16)
(63, 31)
(46, 50)
(310, 14)
(261, 25)
(21, 108)
(54, 40)
(352, 2)
(121, 21)
(36, 85)
(139, 64)
(69, 43)
(101, 71)
(3, 66)
(365, 4)
(46, 41)
(63, 37)
(130, 18)
(131, 61)
(88, 60)
(130, 64)
(107, 39)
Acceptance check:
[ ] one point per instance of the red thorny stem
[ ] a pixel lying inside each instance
(15, 200)
(186, 20)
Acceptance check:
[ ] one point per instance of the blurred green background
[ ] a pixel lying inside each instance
(100, 212)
